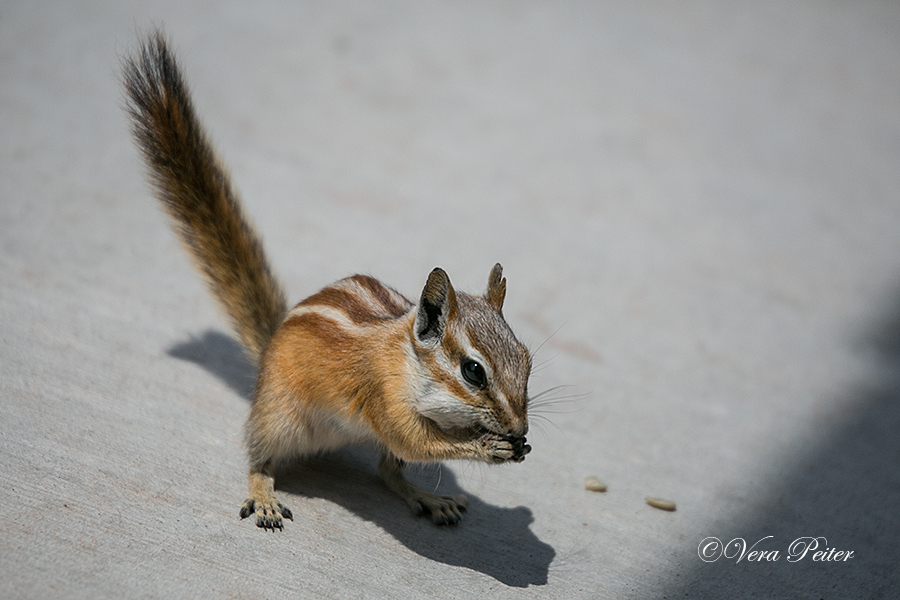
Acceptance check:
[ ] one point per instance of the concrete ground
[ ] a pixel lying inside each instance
(697, 206)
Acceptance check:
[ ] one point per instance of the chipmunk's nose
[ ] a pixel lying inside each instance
(519, 429)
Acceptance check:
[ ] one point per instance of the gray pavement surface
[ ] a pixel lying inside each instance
(697, 206)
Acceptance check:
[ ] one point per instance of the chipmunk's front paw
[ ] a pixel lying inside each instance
(501, 449)
(269, 513)
(443, 510)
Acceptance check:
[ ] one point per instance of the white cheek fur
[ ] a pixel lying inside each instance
(445, 409)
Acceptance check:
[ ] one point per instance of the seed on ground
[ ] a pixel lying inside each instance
(593, 484)
(660, 503)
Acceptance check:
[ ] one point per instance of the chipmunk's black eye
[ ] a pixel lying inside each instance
(474, 373)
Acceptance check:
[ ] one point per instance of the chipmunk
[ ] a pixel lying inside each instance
(356, 362)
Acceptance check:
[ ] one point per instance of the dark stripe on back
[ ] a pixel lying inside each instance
(323, 328)
(384, 295)
(356, 309)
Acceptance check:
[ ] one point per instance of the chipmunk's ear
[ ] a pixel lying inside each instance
(496, 290)
(436, 306)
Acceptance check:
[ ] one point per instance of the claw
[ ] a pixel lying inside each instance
(269, 514)
(443, 510)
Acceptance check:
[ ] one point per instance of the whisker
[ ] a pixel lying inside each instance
(440, 470)
(536, 350)
(543, 412)
(545, 399)
(539, 424)
(543, 364)
(549, 390)
(540, 427)
(556, 404)
(570, 399)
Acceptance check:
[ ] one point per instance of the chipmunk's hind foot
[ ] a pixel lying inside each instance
(269, 514)
(443, 510)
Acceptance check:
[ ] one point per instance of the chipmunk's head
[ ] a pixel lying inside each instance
(477, 371)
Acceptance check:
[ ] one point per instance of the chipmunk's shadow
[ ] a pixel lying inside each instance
(222, 356)
(493, 540)
(490, 539)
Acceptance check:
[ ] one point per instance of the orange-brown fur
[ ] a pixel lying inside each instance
(438, 379)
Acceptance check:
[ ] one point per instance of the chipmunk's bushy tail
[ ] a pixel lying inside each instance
(195, 190)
